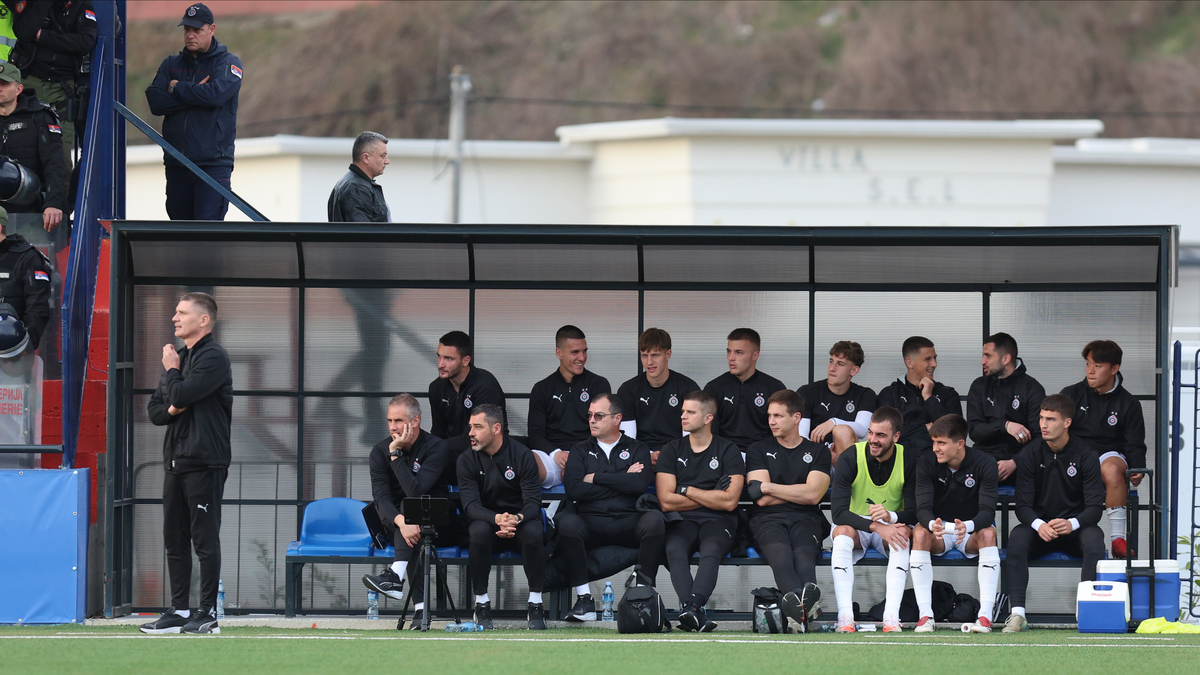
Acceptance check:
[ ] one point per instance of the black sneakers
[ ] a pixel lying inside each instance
(803, 607)
(203, 622)
(537, 616)
(388, 583)
(169, 622)
(483, 614)
(417, 617)
(584, 609)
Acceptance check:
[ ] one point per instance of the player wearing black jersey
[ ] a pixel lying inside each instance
(458, 389)
(956, 509)
(700, 478)
(1109, 419)
(873, 504)
(502, 496)
(1059, 499)
(1002, 405)
(651, 401)
(839, 410)
(917, 396)
(787, 476)
(558, 405)
(742, 393)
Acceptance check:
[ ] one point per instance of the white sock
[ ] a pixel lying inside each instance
(418, 607)
(989, 580)
(185, 613)
(897, 575)
(842, 564)
(1019, 611)
(1116, 520)
(480, 599)
(400, 567)
(583, 589)
(921, 566)
(535, 598)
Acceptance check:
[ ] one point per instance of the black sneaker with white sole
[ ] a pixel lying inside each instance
(389, 583)
(417, 617)
(168, 623)
(203, 622)
(693, 619)
(584, 609)
(483, 615)
(804, 606)
(537, 616)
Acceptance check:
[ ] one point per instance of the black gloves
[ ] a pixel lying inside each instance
(754, 489)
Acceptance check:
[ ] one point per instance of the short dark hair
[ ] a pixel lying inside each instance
(1003, 342)
(1059, 403)
(410, 403)
(567, 332)
(748, 334)
(364, 141)
(491, 412)
(949, 426)
(890, 415)
(851, 351)
(459, 340)
(914, 345)
(789, 399)
(1103, 351)
(708, 404)
(614, 403)
(654, 338)
(204, 301)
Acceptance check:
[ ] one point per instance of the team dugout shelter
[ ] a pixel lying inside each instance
(325, 322)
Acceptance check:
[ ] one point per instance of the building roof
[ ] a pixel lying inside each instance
(1140, 151)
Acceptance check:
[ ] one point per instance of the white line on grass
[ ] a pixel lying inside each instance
(868, 643)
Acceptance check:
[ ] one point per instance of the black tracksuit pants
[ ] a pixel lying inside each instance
(1024, 543)
(643, 531)
(483, 541)
(713, 539)
(192, 519)
(791, 544)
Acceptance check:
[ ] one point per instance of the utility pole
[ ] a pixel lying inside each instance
(460, 92)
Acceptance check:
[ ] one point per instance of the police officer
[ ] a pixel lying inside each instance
(8, 37)
(31, 136)
(24, 282)
(55, 41)
(196, 91)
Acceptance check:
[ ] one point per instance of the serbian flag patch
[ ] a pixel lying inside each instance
(236, 71)
(41, 276)
(54, 128)
(89, 14)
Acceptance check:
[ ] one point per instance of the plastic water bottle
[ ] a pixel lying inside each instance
(372, 605)
(220, 599)
(607, 602)
(464, 627)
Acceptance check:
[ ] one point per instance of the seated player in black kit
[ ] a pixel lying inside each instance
(918, 396)
(1002, 405)
(787, 476)
(604, 478)
(1059, 499)
(838, 410)
(651, 400)
(502, 496)
(700, 478)
(741, 394)
(1109, 419)
(409, 463)
(558, 405)
(956, 509)
(458, 389)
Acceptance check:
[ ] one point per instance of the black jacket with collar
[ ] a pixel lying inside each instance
(451, 412)
(357, 199)
(32, 137)
(1064, 484)
(918, 410)
(993, 401)
(1109, 422)
(558, 409)
(68, 34)
(200, 120)
(506, 482)
(25, 285)
(416, 472)
(613, 491)
(197, 438)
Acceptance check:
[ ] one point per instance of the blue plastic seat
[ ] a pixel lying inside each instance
(1006, 490)
(333, 526)
(752, 553)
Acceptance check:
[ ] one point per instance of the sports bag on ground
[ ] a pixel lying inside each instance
(768, 616)
(641, 608)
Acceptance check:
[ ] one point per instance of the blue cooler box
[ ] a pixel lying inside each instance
(1166, 587)
(1102, 607)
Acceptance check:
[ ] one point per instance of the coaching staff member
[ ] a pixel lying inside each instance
(196, 91)
(502, 495)
(194, 400)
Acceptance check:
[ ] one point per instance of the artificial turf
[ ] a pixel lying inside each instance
(265, 651)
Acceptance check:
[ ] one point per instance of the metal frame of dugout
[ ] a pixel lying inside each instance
(1073, 274)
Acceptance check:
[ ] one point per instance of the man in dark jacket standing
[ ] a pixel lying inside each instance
(32, 137)
(196, 91)
(357, 198)
(1002, 405)
(194, 400)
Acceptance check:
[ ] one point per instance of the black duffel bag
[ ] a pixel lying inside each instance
(641, 608)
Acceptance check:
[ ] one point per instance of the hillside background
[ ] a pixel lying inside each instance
(335, 68)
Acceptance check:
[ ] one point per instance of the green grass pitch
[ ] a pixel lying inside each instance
(266, 651)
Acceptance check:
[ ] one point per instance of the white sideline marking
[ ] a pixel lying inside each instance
(1131, 637)
(868, 643)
